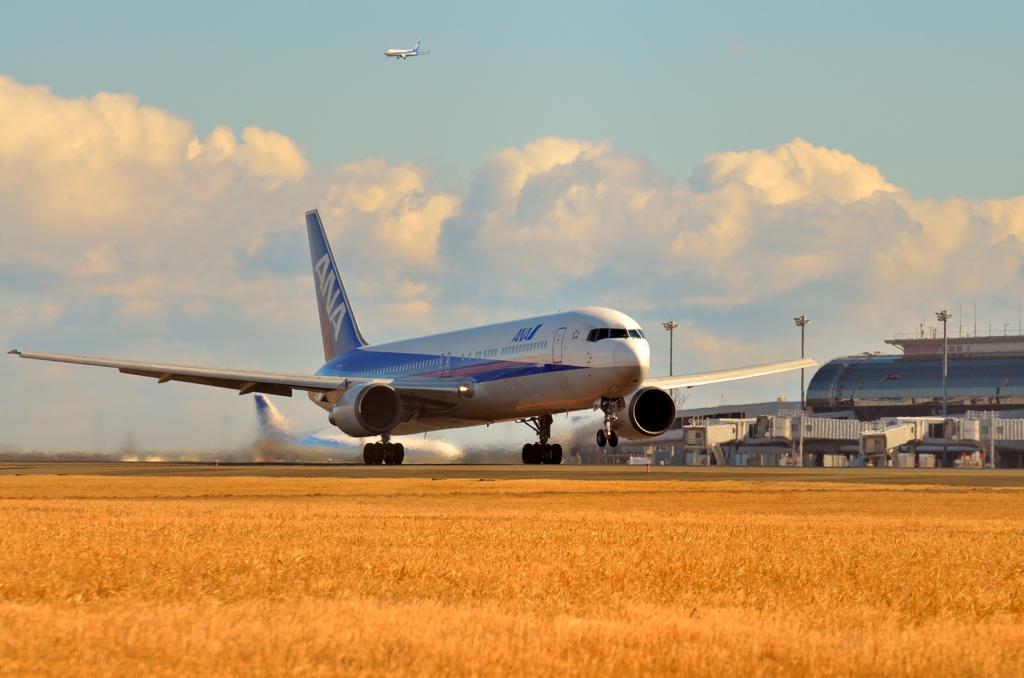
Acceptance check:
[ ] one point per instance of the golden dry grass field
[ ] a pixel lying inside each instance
(242, 576)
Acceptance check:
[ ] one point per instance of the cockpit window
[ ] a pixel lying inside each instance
(614, 333)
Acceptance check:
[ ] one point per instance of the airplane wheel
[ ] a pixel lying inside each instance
(399, 453)
(556, 454)
(389, 454)
(368, 453)
(378, 453)
(601, 439)
(613, 439)
(526, 453)
(545, 454)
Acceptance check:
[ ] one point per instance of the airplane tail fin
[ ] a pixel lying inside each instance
(272, 423)
(338, 326)
(417, 47)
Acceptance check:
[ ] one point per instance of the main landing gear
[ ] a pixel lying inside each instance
(607, 436)
(541, 453)
(384, 452)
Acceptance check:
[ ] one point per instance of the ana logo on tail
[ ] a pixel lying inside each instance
(334, 305)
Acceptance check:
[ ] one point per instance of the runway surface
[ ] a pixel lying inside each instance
(885, 476)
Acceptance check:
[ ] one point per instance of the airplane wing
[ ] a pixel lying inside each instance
(691, 380)
(426, 390)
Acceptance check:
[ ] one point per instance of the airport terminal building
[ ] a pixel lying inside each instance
(869, 409)
(985, 373)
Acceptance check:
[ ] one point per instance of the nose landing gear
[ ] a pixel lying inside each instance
(611, 407)
(541, 453)
(384, 452)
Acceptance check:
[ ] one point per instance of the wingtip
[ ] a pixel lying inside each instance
(14, 351)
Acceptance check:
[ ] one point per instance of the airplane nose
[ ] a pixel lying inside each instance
(629, 359)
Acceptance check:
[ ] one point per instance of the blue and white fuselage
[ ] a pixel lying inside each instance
(515, 370)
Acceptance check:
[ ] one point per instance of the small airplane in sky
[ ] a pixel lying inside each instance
(405, 53)
(523, 370)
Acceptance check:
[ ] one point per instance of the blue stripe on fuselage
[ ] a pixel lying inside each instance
(363, 363)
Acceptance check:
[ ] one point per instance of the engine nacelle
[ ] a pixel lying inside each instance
(367, 410)
(649, 412)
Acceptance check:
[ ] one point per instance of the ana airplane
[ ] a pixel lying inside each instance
(405, 53)
(278, 441)
(525, 370)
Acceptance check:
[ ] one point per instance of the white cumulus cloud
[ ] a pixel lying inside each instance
(794, 172)
(125, 234)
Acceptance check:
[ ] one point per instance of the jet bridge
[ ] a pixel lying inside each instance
(884, 438)
(897, 441)
(712, 434)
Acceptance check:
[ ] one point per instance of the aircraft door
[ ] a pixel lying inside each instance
(556, 346)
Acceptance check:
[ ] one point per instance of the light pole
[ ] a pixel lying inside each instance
(944, 317)
(671, 327)
(802, 322)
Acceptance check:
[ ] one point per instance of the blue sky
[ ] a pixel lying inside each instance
(930, 92)
(729, 165)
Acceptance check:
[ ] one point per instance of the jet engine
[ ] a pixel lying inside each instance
(367, 410)
(649, 412)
